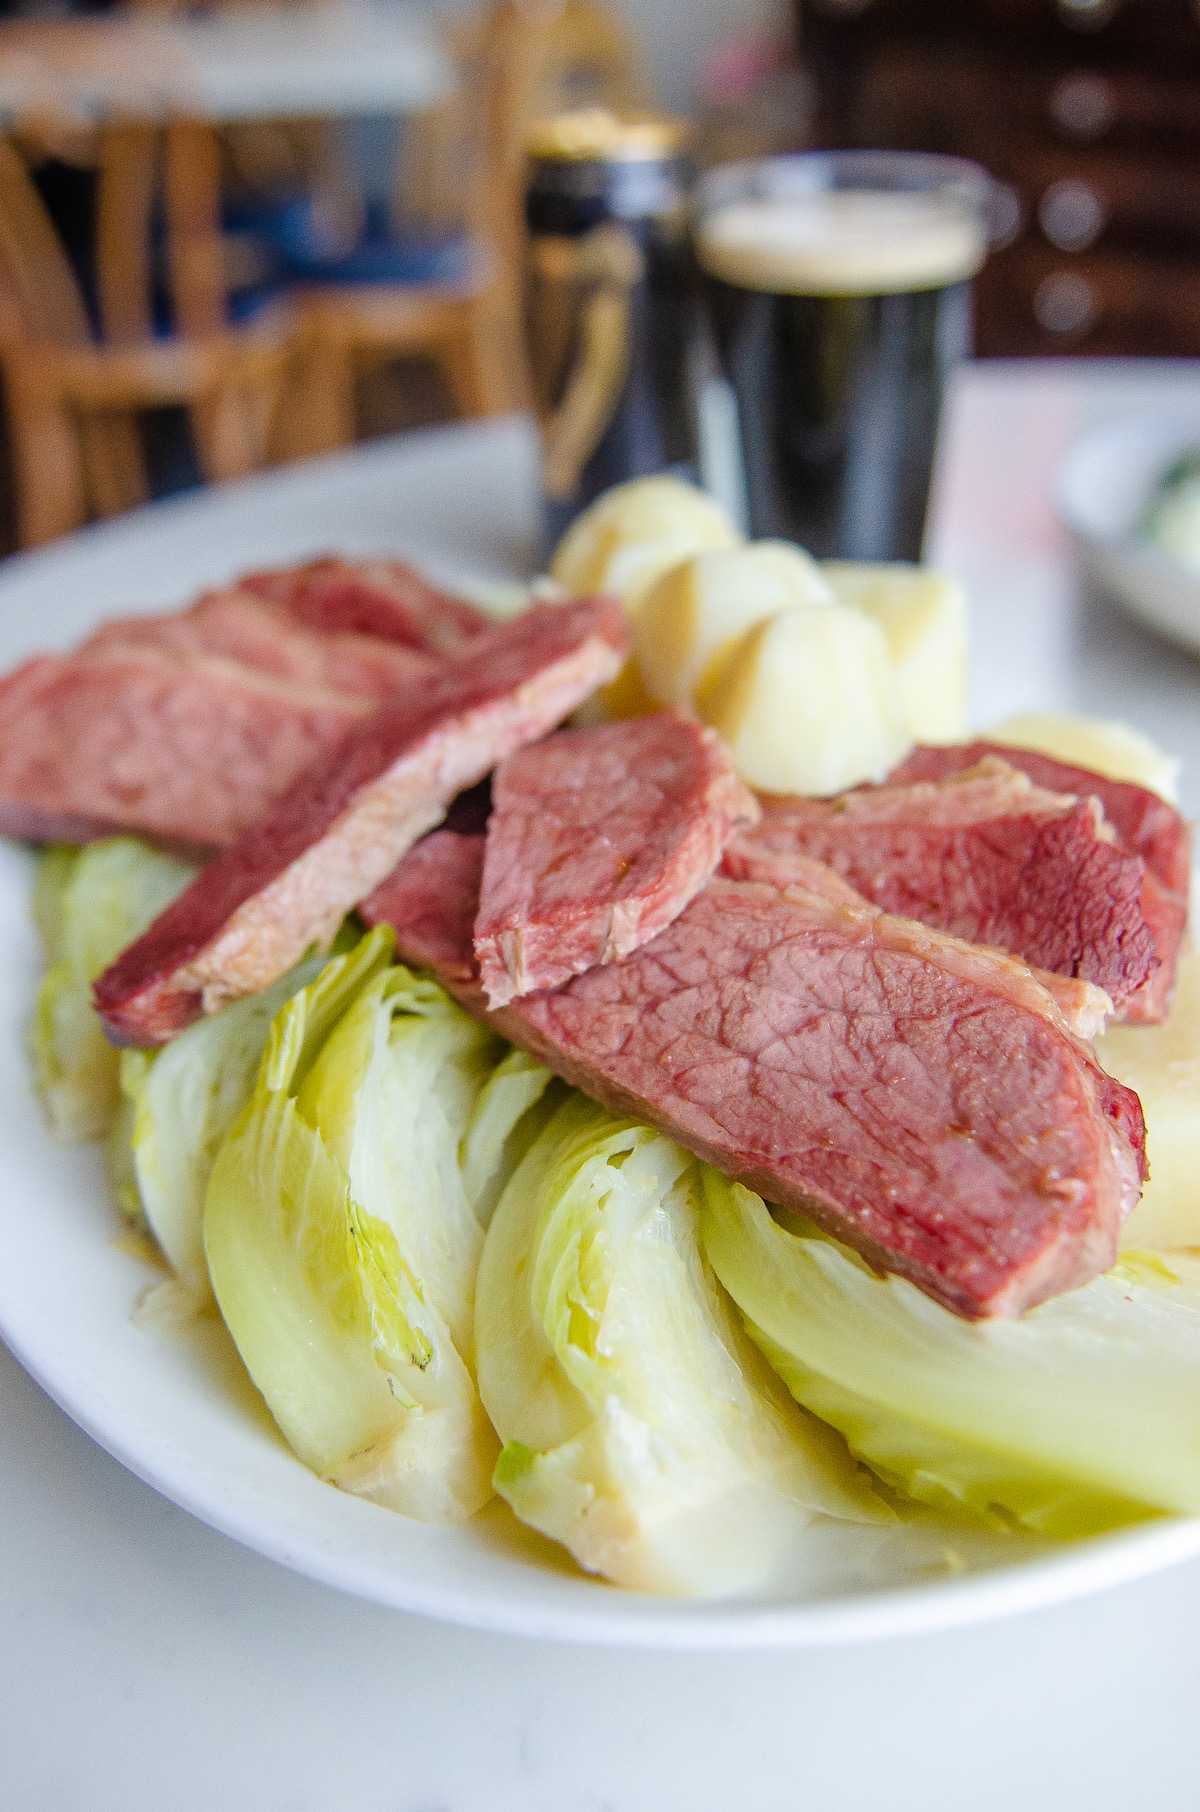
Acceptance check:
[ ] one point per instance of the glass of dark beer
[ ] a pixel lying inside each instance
(609, 286)
(838, 291)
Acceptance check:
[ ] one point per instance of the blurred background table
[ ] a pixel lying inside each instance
(242, 64)
(219, 247)
(148, 1662)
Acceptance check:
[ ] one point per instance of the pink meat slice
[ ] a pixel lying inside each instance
(259, 634)
(287, 883)
(187, 748)
(1086, 1008)
(922, 1099)
(987, 856)
(598, 838)
(1146, 824)
(433, 893)
(384, 598)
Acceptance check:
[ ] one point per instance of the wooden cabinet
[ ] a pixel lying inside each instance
(1088, 109)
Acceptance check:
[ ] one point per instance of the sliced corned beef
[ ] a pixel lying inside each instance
(598, 838)
(1086, 1008)
(988, 856)
(433, 893)
(921, 1098)
(384, 598)
(1144, 822)
(339, 829)
(265, 636)
(189, 748)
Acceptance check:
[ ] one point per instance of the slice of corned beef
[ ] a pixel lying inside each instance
(598, 838)
(336, 833)
(256, 633)
(988, 856)
(1086, 1008)
(432, 897)
(921, 1098)
(187, 748)
(1144, 822)
(384, 598)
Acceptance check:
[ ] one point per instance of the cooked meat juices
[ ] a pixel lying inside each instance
(342, 826)
(598, 838)
(384, 598)
(988, 856)
(921, 1098)
(187, 747)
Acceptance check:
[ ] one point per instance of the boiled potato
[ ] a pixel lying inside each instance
(1105, 746)
(1162, 1064)
(923, 614)
(809, 702)
(693, 618)
(635, 532)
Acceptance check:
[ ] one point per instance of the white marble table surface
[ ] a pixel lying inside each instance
(148, 1663)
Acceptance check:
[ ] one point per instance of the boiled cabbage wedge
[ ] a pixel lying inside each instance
(179, 1102)
(1083, 1415)
(89, 904)
(513, 1107)
(342, 1242)
(641, 1428)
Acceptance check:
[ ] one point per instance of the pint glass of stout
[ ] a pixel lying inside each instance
(609, 288)
(838, 290)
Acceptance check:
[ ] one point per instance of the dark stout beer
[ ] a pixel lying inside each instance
(839, 305)
(609, 287)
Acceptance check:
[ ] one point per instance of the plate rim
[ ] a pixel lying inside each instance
(615, 1618)
(637, 1620)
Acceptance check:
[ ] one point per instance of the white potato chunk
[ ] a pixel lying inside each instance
(923, 614)
(693, 618)
(1162, 1064)
(1102, 744)
(809, 703)
(634, 533)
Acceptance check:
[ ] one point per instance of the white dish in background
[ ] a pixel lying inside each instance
(1106, 482)
(176, 1408)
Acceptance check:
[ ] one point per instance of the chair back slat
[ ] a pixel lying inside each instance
(37, 285)
(195, 251)
(129, 169)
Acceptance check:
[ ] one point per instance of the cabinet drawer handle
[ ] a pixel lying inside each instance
(1086, 15)
(1072, 214)
(1065, 303)
(1082, 106)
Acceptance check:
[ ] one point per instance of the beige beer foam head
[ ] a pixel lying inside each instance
(843, 242)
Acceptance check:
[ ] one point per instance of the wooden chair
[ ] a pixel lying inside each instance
(464, 165)
(74, 400)
(468, 328)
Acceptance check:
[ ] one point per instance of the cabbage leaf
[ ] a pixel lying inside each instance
(641, 1428)
(88, 904)
(342, 1244)
(179, 1103)
(513, 1107)
(1081, 1416)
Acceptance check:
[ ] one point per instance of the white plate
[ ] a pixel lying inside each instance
(1106, 482)
(176, 1409)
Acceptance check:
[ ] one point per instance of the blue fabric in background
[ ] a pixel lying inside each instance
(281, 244)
